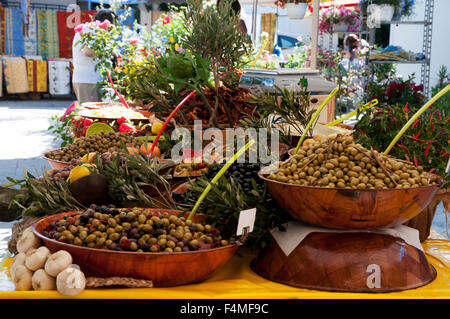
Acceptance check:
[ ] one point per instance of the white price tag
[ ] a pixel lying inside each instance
(447, 170)
(246, 221)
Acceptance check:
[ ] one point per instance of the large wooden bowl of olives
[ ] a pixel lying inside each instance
(340, 184)
(172, 259)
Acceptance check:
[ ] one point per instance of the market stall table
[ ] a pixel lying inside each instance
(237, 281)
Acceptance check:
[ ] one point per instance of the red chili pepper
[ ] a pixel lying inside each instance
(431, 171)
(407, 158)
(418, 133)
(362, 132)
(446, 154)
(406, 107)
(439, 115)
(415, 161)
(427, 149)
(415, 123)
(404, 147)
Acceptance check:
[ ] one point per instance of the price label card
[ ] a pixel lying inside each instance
(246, 220)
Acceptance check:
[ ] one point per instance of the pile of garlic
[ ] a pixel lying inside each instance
(35, 267)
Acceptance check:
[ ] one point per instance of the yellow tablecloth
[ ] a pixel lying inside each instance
(237, 281)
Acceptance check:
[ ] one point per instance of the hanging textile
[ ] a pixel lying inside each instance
(269, 25)
(37, 75)
(2, 29)
(66, 31)
(1, 79)
(31, 35)
(48, 40)
(15, 71)
(59, 75)
(15, 40)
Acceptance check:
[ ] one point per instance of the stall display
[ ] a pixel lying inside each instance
(325, 213)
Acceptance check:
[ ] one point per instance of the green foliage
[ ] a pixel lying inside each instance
(444, 79)
(226, 200)
(424, 143)
(288, 107)
(39, 196)
(184, 69)
(213, 34)
(62, 129)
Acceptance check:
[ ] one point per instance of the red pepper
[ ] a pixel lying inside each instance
(415, 161)
(431, 171)
(407, 158)
(439, 115)
(362, 132)
(427, 149)
(446, 154)
(415, 123)
(404, 147)
(418, 133)
(406, 107)
(124, 127)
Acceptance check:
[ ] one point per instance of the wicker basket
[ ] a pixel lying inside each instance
(423, 221)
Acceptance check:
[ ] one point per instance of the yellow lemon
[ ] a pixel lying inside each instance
(89, 158)
(78, 172)
(156, 128)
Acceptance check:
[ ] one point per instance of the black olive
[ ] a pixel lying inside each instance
(157, 225)
(84, 218)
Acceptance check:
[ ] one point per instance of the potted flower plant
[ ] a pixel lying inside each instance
(386, 8)
(296, 9)
(339, 19)
(404, 10)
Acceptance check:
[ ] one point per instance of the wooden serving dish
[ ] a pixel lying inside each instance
(352, 262)
(164, 269)
(54, 164)
(351, 208)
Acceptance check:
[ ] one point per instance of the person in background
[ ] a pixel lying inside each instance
(236, 7)
(85, 77)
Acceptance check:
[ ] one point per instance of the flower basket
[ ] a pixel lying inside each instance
(387, 12)
(296, 10)
(340, 27)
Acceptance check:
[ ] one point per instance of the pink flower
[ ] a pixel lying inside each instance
(79, 28)
(105, 24)
(94, 24)
(69, 111)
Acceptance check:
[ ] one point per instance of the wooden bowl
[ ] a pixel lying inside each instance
(54, 164)
(351, 208)
(347, 262)
(180, 189)
(164, 269)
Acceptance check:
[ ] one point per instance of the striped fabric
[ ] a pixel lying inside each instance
(37, 75)
(31, 34)
(48, 41)
(15, 41)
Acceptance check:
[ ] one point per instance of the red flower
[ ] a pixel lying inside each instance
(122, 120)
(87, 122)
(126, 128)
(166, 20)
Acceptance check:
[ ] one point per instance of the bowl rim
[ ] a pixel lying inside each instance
(129, 253)
(52, 160)
(266, 180)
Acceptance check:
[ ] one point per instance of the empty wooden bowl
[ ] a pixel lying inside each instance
(164, 269)
(352, 262)
(350, 208)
